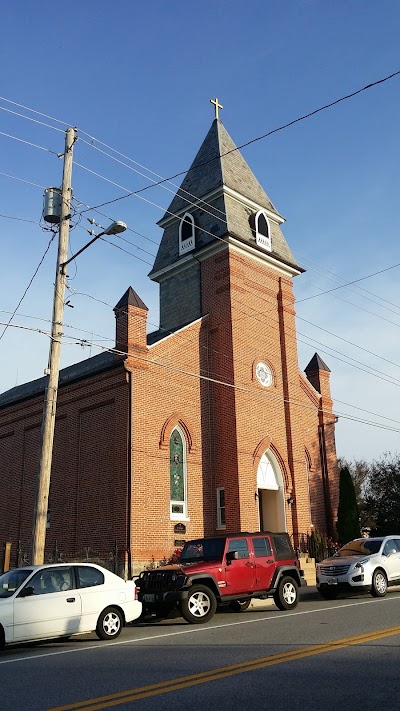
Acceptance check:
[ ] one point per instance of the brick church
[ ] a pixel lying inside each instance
(203, 426)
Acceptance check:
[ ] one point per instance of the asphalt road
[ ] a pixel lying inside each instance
(328, 655)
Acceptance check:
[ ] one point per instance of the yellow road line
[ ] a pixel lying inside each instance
(163, 687)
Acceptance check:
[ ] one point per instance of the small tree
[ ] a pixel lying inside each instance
(383, 495)
(360, 471)
(348, 524)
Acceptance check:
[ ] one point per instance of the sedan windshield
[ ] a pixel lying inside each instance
(203, 549)
(12, 580)
(361, 546)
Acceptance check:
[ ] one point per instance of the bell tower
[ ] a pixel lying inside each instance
(223, 258)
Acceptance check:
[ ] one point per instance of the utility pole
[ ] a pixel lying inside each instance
(50, 398)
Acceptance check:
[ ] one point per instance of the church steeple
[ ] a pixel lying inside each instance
(219, 201)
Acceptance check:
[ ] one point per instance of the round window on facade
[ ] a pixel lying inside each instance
(263, 374)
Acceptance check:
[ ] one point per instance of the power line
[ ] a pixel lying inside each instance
(23, 328)
(29, 118)
(20, 219)
(164, 180)
(21, 140)
(290, 124)
(254, 140)
(117, 246)
(337, 276)
(39, 113)
(341, 338)
(215, 352)
(371, 371)
(342, 286)
(65, 325)
(233, 386)
(86, 342)
(22, 180)
(199, 202)
(27, 288)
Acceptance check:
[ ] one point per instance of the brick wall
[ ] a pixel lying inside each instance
(87, 502)
(111, 469)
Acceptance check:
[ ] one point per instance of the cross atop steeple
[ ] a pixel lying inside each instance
(217, 106)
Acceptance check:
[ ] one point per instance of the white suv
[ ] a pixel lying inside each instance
(363, 565)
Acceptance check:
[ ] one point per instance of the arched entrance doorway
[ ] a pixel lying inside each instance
(271, 494)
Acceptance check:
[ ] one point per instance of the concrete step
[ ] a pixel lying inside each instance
(309, 573)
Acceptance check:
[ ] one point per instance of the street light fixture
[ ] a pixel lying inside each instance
(114, 229)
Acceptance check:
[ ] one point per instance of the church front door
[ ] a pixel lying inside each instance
(271, 503)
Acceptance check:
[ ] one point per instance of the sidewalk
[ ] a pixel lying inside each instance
(307, 592)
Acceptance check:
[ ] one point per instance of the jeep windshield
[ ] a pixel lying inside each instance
(364, 546)
(204, 549)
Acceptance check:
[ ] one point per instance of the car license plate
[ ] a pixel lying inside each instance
(149, 597)
(332, 581)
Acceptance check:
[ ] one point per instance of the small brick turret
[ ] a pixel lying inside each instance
(131, 320)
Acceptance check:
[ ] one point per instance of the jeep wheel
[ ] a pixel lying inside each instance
(379, 584)
(286, 596)
(239, 605)
(200, 605)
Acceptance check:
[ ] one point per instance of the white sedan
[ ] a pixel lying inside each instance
(47, 601)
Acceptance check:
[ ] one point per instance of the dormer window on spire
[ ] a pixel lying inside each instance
(186, 234)
(263, 231)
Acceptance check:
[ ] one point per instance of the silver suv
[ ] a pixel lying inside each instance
(363, 565)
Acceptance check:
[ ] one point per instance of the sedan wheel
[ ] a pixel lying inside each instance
(379, 584)
(109, 624)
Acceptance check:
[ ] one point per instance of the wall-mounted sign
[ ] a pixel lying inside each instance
(179, 528)
(178, 542)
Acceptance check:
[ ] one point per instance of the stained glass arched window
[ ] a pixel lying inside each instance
(178, 485)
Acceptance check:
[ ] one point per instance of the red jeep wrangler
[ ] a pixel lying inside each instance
(217, 570)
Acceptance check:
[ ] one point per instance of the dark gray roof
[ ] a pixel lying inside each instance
(84, 369)
(316, 363)
(219, 167)
(218, 162)
(130, 298)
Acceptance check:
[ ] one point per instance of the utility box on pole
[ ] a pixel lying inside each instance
(52, 201)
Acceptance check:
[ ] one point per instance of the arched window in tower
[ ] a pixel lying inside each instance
(263, 231)
(178, 475)
(186, 234)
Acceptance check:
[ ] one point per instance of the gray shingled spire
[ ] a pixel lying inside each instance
(217, 163)
(226, 195)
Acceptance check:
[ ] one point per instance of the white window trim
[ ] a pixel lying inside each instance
(184, 515)
(220, 525)
(262, 240)
(188, 244)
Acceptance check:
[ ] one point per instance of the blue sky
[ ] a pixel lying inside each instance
(139, 78)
